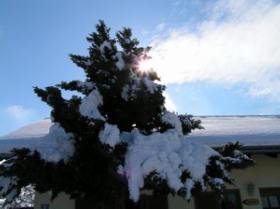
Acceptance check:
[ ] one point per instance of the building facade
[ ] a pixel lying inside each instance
(257, 187)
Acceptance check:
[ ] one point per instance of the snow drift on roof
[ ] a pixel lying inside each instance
(33, 130)
(249, 130)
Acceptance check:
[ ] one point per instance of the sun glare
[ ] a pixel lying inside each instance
(145, 65)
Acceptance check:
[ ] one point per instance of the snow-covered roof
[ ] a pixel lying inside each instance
(43, 136)
(32, 130)
(28, 136)
(218, 130)
(248, 130)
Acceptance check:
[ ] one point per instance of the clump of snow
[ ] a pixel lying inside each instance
(57, 145)
(7, 188)
(189, 184)
(2, 161)
(88, 63)
(125, 92)
(110, 135)
(168, 154)
(120, 63)
(172, 119)
(86, 85)
(120, 170)
(150, 85)
(218, 182)
(24, 200)
(89, 105)
(105, 44)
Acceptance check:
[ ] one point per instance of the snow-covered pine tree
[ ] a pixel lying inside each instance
(115, 137)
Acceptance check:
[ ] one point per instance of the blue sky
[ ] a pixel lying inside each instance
(216, 57)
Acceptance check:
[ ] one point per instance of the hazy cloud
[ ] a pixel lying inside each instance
(160, 27)
(238, 43)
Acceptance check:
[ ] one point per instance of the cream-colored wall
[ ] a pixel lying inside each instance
(62, 201)
(265, 174)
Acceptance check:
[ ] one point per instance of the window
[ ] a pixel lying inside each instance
(270, 198)
(45, 206)
(210, 200)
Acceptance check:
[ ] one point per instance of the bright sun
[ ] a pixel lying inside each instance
(146, 65)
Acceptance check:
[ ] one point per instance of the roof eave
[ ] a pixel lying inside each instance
(258, 149)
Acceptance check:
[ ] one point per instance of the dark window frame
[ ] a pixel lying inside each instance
(266, 192)
(216, 199)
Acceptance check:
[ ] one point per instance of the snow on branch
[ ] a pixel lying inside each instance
(169, 155)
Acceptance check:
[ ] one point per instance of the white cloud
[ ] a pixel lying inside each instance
(19, 113)
(238, 43)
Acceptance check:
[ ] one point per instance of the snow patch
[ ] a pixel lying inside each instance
(125, 94)
(24, 200)
(172, 119)
(57, 145)
(110, 135)
(168, 154)
(120, 63)
(90, 104)
(6, 185)
(189, 184)
(86, 85)
(151, 85)
(105, 44)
